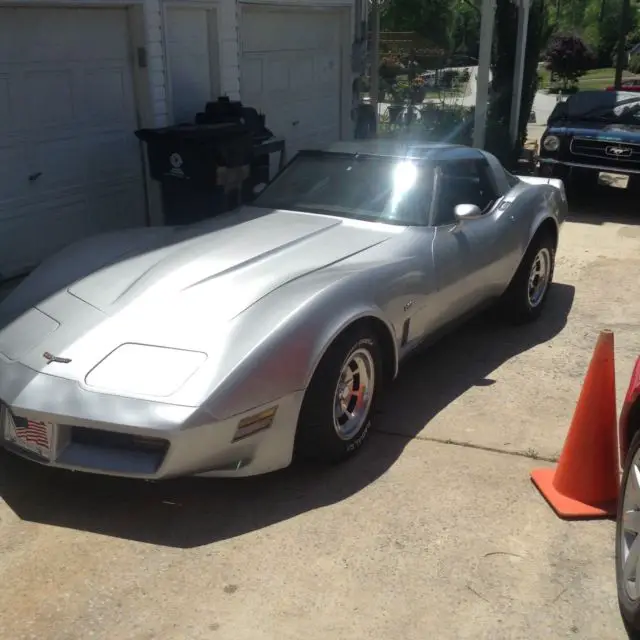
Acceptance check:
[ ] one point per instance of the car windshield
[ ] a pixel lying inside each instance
(382, 189)
(605, 106)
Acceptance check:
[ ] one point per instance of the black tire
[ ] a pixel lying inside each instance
(629, 609)
(316, 437)
(516, 302)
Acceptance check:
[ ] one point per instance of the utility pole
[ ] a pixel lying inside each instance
(622, 37)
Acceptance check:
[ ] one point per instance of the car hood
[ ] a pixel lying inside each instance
(596, 131)
(174, 287)
(237, 264)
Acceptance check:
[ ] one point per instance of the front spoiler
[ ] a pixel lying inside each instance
(197, 443)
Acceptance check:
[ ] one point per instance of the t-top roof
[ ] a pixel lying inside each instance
(396, 149)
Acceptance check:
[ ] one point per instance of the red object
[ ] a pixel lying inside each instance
(585, 483)
(625, 87)
(33, 432)
(632, 396)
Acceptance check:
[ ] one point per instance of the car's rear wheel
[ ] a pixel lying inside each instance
(336, 412)
(628, 541)
(524, 299)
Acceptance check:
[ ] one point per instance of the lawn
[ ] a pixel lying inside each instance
(593, 79)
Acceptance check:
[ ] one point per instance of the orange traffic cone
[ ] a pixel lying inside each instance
(585, 483)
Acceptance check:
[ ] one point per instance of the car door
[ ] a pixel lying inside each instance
(466, 253)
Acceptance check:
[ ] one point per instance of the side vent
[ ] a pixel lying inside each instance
(405, 332)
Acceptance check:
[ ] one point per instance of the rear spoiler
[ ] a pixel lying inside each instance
(554, 182)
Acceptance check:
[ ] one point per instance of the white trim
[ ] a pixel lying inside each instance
(193, 4)
(346, 80)
(71, 4)
(487, 21)
(215, 67)
(301, 4)
(146, 117)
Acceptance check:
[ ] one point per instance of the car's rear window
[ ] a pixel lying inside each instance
(384, 189)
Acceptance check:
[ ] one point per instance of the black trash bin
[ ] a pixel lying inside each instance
(195, 151)
(225, 110)
(196, 165)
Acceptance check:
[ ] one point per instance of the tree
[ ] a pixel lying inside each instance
(597, 22)
(503, 60)
(634, 64)
(569, 57)
(466, 28)
(431, 19)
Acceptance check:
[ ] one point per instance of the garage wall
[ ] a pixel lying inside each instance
(191, 44)
(169, 43)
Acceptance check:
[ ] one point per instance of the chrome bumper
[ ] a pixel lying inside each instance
(592, 167)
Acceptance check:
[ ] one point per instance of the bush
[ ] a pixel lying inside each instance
(448, 123)
(569, 89)
(634, 64)
(391, 68)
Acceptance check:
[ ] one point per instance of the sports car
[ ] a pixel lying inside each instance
(627, 549)
(593, 138)
(228, 346)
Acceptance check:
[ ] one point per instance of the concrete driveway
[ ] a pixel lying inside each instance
(434, 531)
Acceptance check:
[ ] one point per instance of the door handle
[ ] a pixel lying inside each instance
(34, 176)
(295, 123)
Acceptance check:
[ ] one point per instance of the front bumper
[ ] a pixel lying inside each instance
(552, 167)
(114, 435)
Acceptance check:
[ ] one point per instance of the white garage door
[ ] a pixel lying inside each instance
(291, 71)
(70, 165)
(192, 57)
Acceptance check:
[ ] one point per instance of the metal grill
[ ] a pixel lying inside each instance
(621, 153)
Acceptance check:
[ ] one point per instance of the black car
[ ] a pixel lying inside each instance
(593, 135)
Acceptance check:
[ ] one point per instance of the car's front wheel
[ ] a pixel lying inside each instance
(628, 541)
(336, 412)
(525, 297)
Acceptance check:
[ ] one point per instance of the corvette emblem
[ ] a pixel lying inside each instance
(176, 160)
(51, 358)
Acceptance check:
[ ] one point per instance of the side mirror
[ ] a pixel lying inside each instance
(464, 212)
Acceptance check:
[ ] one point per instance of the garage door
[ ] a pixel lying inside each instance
(290, 70)
(70, 165)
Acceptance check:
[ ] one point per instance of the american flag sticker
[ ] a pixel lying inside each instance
(29, 434)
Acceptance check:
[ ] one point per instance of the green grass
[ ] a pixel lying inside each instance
(599, 78)
(594, 79)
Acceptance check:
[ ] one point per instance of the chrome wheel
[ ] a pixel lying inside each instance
(354, 393)
(539, 277)
(629, 531)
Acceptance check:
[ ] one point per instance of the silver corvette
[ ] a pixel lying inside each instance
(225, 347)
